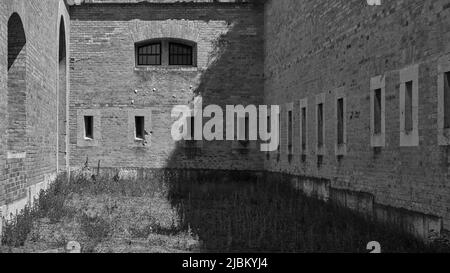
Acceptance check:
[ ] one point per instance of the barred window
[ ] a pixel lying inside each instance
(149, 54)
(180, 54)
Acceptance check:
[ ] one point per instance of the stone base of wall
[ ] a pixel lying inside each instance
(421, 225)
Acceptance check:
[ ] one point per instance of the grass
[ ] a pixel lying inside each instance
(167, 212)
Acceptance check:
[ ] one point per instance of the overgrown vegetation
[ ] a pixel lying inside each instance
(168, 211)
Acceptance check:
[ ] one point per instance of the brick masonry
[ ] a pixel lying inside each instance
(284, 52)
(105, 80)
(343, 44)
(28, 98)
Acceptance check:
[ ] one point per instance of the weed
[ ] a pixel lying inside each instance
(95, 227)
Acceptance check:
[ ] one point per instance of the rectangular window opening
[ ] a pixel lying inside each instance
(290, 132)
(447, 100)
(320, 133)
(191, 126)
(409, 106)
(244, 131)
(377, 112)
(340, 121)
(303, 133)
(140, 128)
(269, 129)
(89, 127)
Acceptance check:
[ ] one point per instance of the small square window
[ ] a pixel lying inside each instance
(89, 127)
(140, 127)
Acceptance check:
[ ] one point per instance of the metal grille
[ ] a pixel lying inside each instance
(149, 54)
(180, 54)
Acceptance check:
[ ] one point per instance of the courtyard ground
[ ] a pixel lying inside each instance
(168, 215)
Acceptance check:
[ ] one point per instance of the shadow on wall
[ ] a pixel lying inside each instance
(212, 203)
(229, 80)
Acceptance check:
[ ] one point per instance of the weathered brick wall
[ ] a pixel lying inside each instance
(317, 46)
(31, 157)
(105, 82)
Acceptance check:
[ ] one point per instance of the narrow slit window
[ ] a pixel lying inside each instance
(149, 54)
(191, 128)
(320, 133)
(340, 121)
(290, 132)
(243, 130)
(447, 100)
(89, 127)
(247, 128)
(140, 128)
(409, 106)
(269, 127)
(279, 134)
(180, 54)
(377, 112)
(303, 133)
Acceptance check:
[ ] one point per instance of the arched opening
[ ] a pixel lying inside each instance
(17, 60)
(62, 94)
(17, 142)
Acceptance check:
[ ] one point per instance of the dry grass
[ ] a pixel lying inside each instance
(170, 214)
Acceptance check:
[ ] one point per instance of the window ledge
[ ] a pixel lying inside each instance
(341, 149)
(166, 68)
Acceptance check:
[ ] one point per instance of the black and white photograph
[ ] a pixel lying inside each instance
(224, 127)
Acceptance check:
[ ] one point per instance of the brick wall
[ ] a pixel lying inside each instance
(106, 82)
(28, 100)
(315, 47)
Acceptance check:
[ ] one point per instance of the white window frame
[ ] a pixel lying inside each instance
(443, 133)
(133, 141)
(408, 74)
(378, 140)
(82, 141)
(321, 99)
(340, 149)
